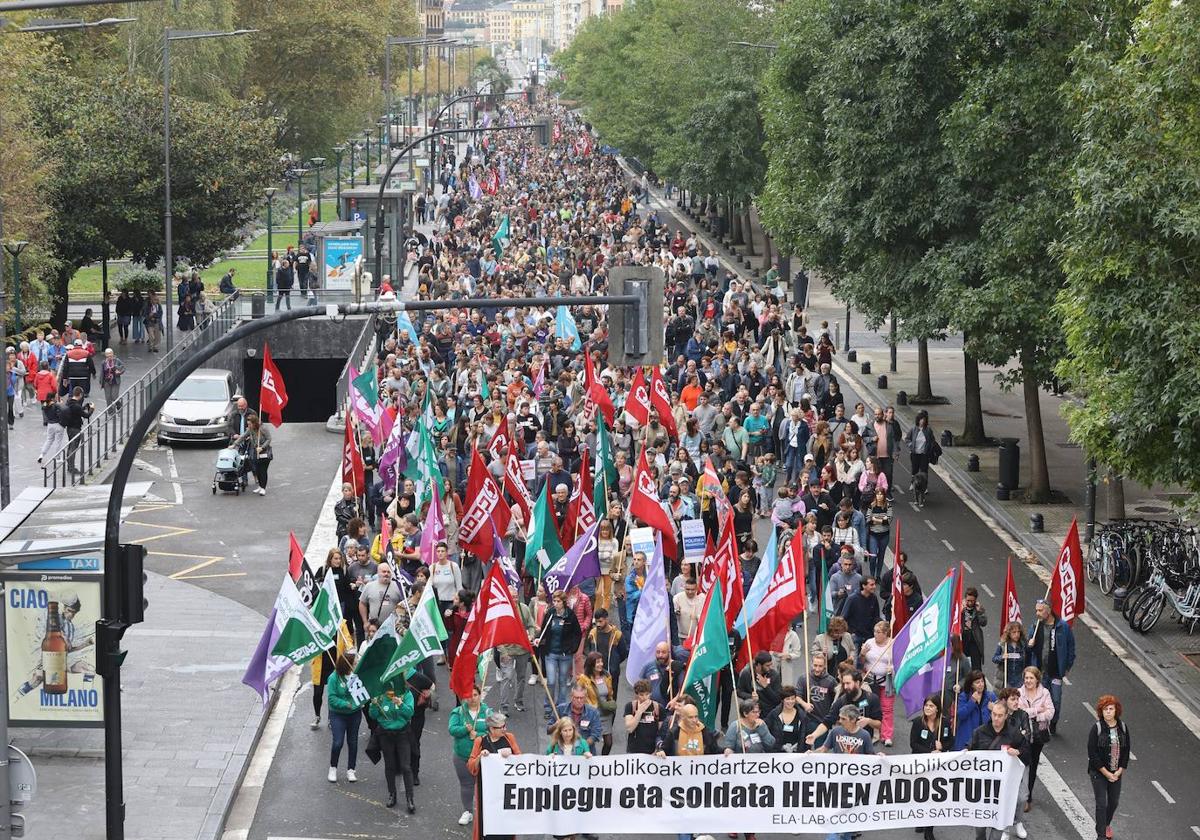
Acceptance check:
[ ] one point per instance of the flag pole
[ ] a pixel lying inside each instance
(545, 687)
(807, 656)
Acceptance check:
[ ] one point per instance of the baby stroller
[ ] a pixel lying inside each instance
(230, 473)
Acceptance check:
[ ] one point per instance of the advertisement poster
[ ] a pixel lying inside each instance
(50, 628)
(341, 254)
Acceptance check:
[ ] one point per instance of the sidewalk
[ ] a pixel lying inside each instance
(189, 725)
(1168, 652)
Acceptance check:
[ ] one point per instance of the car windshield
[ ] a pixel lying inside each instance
(202, 390)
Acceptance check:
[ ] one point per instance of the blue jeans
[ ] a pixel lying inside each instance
(838, 835)
(558, 675)
(877, 545)
(345, 730)
(1055, 690)
(793, 463)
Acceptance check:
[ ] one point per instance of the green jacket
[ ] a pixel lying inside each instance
(338, 695)
(393, 714)
(460, 719)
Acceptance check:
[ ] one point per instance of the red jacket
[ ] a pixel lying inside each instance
(31, 365)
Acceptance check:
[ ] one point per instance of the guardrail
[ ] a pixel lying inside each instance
(106, 430)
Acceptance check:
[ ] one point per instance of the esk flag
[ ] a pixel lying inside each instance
(921, 643)
(494, 621)
(300, 572)
(1066, 587)
(272, 394)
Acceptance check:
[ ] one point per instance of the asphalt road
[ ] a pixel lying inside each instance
(235, 546)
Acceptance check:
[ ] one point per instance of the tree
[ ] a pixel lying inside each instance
(1131, 253)
(857, 185)
(488, 70)
(106, 194)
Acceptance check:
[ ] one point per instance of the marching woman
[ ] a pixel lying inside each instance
(466, 725)
(393, 713)
(973, 705)
(323, 666)
(566, 740)
(1010, 657)
(1108, 756)
(930, 733)
(1039, 705)
(345, 717)
(496, 740)
(875, 658)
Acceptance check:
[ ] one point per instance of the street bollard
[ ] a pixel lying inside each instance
(1037, 524)
(973, 463)
(866, 367)
(1002, 493)
(902, 398)
(851, 355)
(881, 382)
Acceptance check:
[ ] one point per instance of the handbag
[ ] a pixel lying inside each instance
(1041, 733)
(373, 750)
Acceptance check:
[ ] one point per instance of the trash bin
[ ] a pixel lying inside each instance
(258, 305)
(1010, 463)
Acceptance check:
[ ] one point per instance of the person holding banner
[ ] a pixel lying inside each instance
(749, 734)
(998, 734)
(466, 725)
(790, 724)
(875, 660)
(496, 740)
(566, 740)
(1019, 718)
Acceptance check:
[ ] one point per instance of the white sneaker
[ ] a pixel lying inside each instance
(532, 679)
(316, 724)
(465, 819)
(260, 491)
(1021, 832)
(332, 774)
(1004, 835)
(351, 776)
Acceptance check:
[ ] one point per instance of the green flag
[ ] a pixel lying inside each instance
(424, 638)
(600, 496)
(485, 390)
(925, 637)
(327, 610)
(542, 546)
(499, 237)
(825, 596)
(301, 636)
(605, 459)
(367, 384)
(710, 654)
(376, 655)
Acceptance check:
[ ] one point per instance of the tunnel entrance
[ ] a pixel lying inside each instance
(311, 386)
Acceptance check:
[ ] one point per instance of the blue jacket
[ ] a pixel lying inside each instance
(588, 723)
(694, 350)
(971, 716)
(1064, 645)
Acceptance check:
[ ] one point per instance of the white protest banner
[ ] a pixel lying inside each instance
(798, 794)
(642, 539)
(694, 539)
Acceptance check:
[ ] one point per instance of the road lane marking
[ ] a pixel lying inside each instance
(1163, 791)
(949, 547)
(988, 590)
(1079, 816)
(965, 564)
(206, 577)
(1196, 830)
(914, 506)
(147, 467)
(932, 527)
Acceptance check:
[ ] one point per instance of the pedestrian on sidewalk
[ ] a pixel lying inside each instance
(921, 443)
(1108, 757)
(72, 413)
(345, 718)
(111, 371)
(284, 280)
(259, 451)
(152, 319)
(137, 324)
(45, 386)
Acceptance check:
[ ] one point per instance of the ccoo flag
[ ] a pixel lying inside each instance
(1066, 587)
(272, 395)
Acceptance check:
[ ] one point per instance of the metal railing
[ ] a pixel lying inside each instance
(107, 430)
(360, 354)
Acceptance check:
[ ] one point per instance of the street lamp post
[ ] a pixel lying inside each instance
(379, 146)
(170, 35)
(367, 158)
(15, 248)
(338, 151)
(318, 163)
(353, 177)
(270, 193)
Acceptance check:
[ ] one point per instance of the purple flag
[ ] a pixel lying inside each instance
(500, 555)
(473, 188)
(434, 530)
(393, 448)
(264, 668)
(502, 174)
(580, 563)
(651, 621)
(928, 680)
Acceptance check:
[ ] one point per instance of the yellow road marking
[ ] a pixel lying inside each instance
(197, 567)
(202, 577)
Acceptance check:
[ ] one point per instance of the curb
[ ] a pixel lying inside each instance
(1045, 554)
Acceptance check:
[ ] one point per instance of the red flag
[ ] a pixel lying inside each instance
(500, 441)
(1012, 605)
(784, 599)
(352, 462)
(486, 509)
(644, 504)
(729, 572)
(300, 571)
(1066, 587)
(800, 557)
(514, 485)
(272, 395)
(661, 401)
(596, 390)
(637, 404)
(900, 614)
(494, 621)
(581, 509)
(707, 573)
(956, 608)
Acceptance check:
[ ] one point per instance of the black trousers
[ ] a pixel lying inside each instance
(396, 745)
(1108, 794)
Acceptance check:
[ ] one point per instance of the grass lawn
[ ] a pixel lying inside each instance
(251, 263)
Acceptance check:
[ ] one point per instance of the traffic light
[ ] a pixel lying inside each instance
(131, 583)
(531, 95)
(542, 132)
(636, 334)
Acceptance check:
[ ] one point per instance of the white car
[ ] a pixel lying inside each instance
(199, 409)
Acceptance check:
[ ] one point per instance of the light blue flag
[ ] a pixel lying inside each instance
(405, 323)
(651, 622)
(760, 585)
(565, 327)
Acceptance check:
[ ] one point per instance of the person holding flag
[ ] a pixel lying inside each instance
(392, 713)
(346, 697)
(1051, 649)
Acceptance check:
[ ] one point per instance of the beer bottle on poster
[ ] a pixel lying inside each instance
(54, 653)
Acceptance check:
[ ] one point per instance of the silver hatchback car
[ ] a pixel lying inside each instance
(200, 408)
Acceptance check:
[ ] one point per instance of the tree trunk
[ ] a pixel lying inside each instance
(735, 219)
(924, 385)
(768, 257)
(1114, 495)
(972, 433)
(1039, 470)
(60, 294)
(749, 223)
